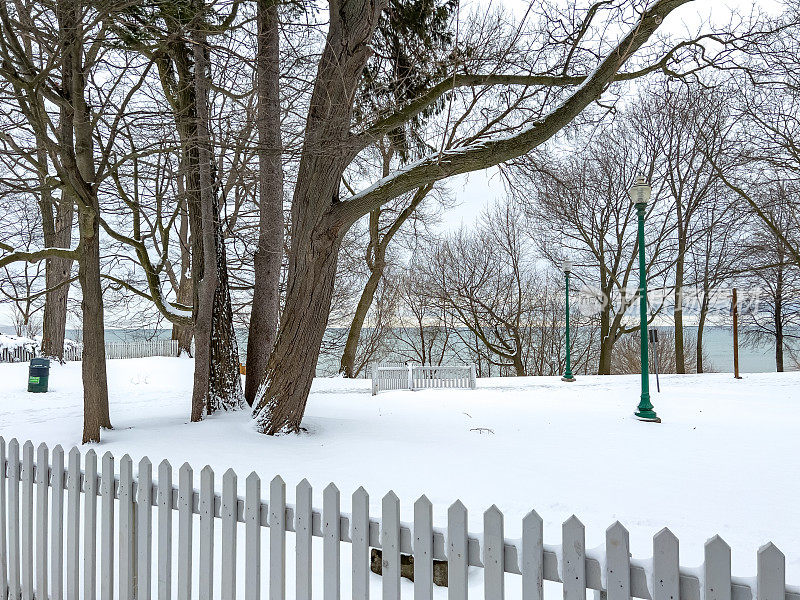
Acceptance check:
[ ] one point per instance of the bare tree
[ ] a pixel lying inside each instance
(320, 217)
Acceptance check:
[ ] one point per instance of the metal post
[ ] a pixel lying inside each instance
(568, 372)
(735, 310)
(644, 411)
(654, 341)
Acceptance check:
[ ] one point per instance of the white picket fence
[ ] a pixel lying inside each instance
(42, 556)
(415, 377)
(138, 349)
(18, 354)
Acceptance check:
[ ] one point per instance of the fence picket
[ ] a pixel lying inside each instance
(573, 565)
(13, 521)
(229, 511)
(57, 524)
(532, 557)
(27, 521)
(493, 554)
(618, 563)
(3, 551)
(107, 528)
(717, 566)
(42, 493)
(390, 545)
(360, 539)
(32, 548)
(666, 575)
(252, 510)
(90, 526)
(277, 539)
(457, 557)
(303, 528)
(73, 523)
(423, 549)
(206, 510)
(127, 524)
(164, 530)
(331, 523)
(771, 579)
(143, 530)
(185, 505)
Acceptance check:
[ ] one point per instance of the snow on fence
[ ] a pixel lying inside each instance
(17, 354)
(414, 377)
(35, 515)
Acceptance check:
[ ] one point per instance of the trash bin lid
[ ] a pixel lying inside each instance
(40, 362)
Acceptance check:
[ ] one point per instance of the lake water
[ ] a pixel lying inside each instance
(718, 342)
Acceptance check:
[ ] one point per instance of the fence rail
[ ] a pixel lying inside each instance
(114, 350)
(414, 377)
(36, 520)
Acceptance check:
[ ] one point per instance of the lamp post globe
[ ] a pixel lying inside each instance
(566, 266)
(639, 194)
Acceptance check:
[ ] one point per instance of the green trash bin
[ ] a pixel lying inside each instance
(38, 375)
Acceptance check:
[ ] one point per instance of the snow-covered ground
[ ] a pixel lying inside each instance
(725, 459)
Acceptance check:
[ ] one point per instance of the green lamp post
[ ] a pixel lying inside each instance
(640, 194)
(567, 268)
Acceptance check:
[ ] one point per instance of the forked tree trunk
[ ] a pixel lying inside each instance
(268, 259)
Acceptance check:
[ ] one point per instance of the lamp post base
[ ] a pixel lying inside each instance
(647, 415)
(569, 379)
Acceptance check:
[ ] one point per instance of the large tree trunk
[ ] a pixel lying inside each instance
(95, 384)
(315, 239)
(216, 363)
(283, 394)
(95, 381)
(269, 254)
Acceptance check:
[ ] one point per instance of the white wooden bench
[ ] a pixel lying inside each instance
(417, 377)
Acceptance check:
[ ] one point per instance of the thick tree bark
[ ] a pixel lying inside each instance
(95, 383)
(217, 385)
(269, 254)
(303, 323)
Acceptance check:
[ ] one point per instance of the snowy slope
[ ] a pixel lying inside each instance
(725, 459)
